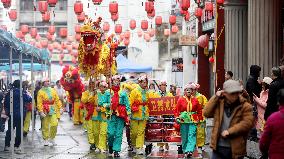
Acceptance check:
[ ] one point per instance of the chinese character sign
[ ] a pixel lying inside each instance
(162, 106)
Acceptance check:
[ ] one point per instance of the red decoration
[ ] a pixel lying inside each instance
(51, 29)
(172, 19)
(75, 53)
(78, 37)
(158, 20)
(69, 48)
(63, 32)
(186, 16)
(78, 7)
(61, 56)
(167, 32)
(42, 6)
(77, 28)
(193, 61)
(61, 63)
(211, 60)
(50, 47)
(70, 38)
(56, 45)
(208, 6)
(151, 15)
(149, 7)
(38, 45)
(121, 36)
(49, 36)
(114, 17)
(113, 7)
(52, 3)
(203, 40)
(75, 46)
(126, 42)
(19, 35)
(97, 2)
(139, 33)
(174, 29)
(127, 34)
(118, 28)
(198, 12)
(38, 37)
(152, 32)
(106, 26)
(45, 17)
(144, 25)
(132, 24)
(63, 45)
(13, 14)
(184, 4)
(24, 29)
(220, 1)
(34, 32)
(6, 3)
(44, 43)
(81, 17)
(147, 37)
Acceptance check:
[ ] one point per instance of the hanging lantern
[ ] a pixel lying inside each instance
(6, 3)
(114, 17)
(19, 35)
(49, 36)
(126, 42)
(139, 33)
(75, 46)
(50, 47)
(63, 45)
(149, 7)
(78, 37)
(151, 15)
(81, 17)
(113, 7)
(61, 56)
(38, 37)
(172, 19)
(44, 43)
(186, 16)
(203, 41)
(51, 29)
(70, 38)
(97, 2)
(211, 60)
(69, 48)
(42, 6)
(147, 37)
(220, 1)
(75, 54)
(45, 17)
(118, 28)
(78, 7)
(144, 25)
(183, 12)
(174, 29)
(198, 12)
(33, 32)
(208, 6)
(158, 20)
(127, 34)
(193, 61)
(63, 32)
(13, 14)
(24, 29)
(132, 24)
(61, 63)
(121, 36)
(55, 44)
(38, 45)
(52, 3)
(152, 32)
(77, 28)
(167, 32)
(184, 4)
(106, 26)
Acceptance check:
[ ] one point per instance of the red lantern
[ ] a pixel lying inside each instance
(183, 12)
(75, 54)
(174, 29)
(118, 28)
(38, 37)
(184, 4)
(81, 17)
(49, 36)
(45, 17)
(51, 29)
(52, 3)
(38, 45)
(74, 61)
(69, 48)
(75, 46)
(113, 7)
(97, 2)
(198, 12)
(63, 45)
(172, 19)
(151, 15)
(6, 3)
(149, 7)
(186, 17)
(106, 26)
(61, 63)
(24, 29)
(211, 60)
(147, 37)
(152, 32)
(132, 24)
(13, 14)
(77, 28)
(61, 56)
(56, 45)
(50, 47)
(220, 1)
(19, 35)
(193, 61)
(121, 36)
(144, 25)
(34, 32)
(42, 6)
(127, 34)
(63, 32)
(78, 7)
(70, 38)
(203, 40)
(139, 33)
(114, 17)
(78, 37)
(167, 32)
(208, 6)
(158, 20)
(44, 43)
(126, 42)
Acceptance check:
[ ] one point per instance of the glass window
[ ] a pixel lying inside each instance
(61, 5)
(26, 5)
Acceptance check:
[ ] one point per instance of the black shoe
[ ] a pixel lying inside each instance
(25, 134)
(188, 155)
(116, 154)
(148, 149)
(110, 150)
(93, 147)
(180, 150)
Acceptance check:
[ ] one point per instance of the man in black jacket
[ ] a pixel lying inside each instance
(274, 87)
(253, 85)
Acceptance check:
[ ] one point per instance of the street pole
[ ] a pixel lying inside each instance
(33, 101)
(21, 95)
(11, 105)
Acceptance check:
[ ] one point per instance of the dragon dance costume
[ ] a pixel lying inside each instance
(201, 131)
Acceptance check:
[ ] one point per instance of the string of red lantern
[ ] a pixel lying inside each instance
(6, 3)
(13, 14)
(97, 2)
(52, 3)
(132, 24)
(78, 7)
(42, 6)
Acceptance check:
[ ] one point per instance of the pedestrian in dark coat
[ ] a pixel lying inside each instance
(253, 85)
(274, 87)
(272, 140)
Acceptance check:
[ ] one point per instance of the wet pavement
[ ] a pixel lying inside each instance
(72, 143)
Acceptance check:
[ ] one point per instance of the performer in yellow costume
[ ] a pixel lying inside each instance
(47, 104)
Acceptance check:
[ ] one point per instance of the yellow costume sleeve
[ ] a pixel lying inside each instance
(39, 101)
(56, 99)
(85, 97)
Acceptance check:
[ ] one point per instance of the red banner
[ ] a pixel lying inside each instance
(162, 106)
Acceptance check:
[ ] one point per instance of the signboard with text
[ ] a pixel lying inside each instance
(187, 40)
(162, 106)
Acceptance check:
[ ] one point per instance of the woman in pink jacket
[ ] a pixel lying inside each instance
(261, 104)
